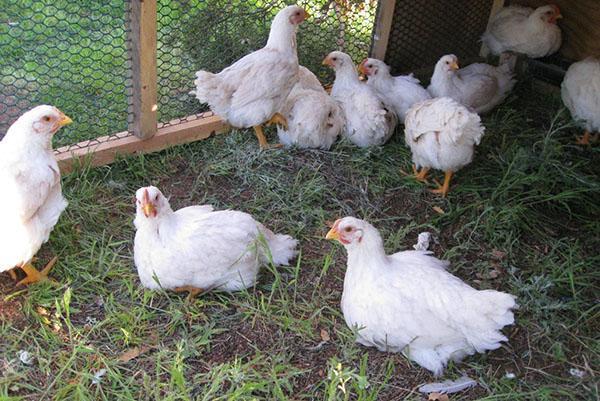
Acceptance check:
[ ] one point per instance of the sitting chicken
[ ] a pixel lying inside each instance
(314, 119)
(407, 302)
(31, 200)
(196, 249)
(441, 134)
(369, 121)
(399, 92)
(478, 86)
(524, 30)
(250, 92)
(580, 91)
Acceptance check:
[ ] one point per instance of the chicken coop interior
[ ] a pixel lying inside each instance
(519, 227)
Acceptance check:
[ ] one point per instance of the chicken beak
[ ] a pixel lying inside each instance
(64, 120)
(454, 66)
(149, 210)
(306, 15)
(327, 61)
(362, 67)
(333, 234)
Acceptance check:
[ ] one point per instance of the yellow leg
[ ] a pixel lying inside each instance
(444, 189)
(262, 139)
(421, 175)
(193, 292)
(34, 276)
(278, 119)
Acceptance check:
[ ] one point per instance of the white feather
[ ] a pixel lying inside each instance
(449, 386)
(580, 92)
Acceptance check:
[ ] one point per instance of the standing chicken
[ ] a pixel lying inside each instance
(478, 86)
(250, 92)
(407, 302)
(580, 92)
(524, 30)
(195, 249)
(369, 121)
(399, 92)
(441, 134)
(31, 200)
(314, 119)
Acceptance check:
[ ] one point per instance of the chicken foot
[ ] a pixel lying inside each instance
(586, 138)
(445, 188)
(35, 276)
(420, 175)
(262, 139)
(192, 291)
(278, 119)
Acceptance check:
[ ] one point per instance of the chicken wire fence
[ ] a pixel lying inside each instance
(77, 55)
(424, 30)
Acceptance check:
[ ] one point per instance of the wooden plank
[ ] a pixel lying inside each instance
(383, 28)
(496, 7)
(144, 72)
(105, 150)
(580, 26)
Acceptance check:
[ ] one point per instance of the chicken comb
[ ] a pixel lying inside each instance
(556, 9)
(146, 197)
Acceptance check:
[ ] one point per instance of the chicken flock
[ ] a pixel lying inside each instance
(406, 302)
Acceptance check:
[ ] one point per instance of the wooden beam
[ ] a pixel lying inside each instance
(105, 150)
(144, 72)
(496, 7)
(383, 28)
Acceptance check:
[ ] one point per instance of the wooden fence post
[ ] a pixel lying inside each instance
(383, 27)
(143, 55)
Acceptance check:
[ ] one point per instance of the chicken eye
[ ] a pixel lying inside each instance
(156, 198)
(47, 118)
(334, 59)
(348, 229)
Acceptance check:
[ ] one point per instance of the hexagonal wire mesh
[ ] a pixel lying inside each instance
(425, 30)
(212, 34)
(73, 55)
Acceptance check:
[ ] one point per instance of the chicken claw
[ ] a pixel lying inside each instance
(34, 276)
(445, 188)
(262, 139)
(586, 138)
(193, 292)
(278, 119)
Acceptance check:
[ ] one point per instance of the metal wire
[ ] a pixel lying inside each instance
(425, 30)
(75, 55)
(212, 34)
(68, 54)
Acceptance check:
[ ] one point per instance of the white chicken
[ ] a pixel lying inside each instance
(32, 199)
(196, 249)
(441, 134)
(407, 302)
(524, 30)
(250, 92)
(580, 92)
(369, 121)
(314, 119)
(399, 92)
(479, 86)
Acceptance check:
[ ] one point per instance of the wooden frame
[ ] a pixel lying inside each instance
(383, 28)
(106, 149)
(144, 72)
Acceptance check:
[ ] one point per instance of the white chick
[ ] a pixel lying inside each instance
(399, 92)
(250, 92)
(32, 199)
(369, 121)
(479, 86)
(196, 249)
(314, 119)
(580, 92)
(441, 134)
(407, 302)
(524, 30)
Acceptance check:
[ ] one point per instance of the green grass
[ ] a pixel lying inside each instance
(526, 207)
